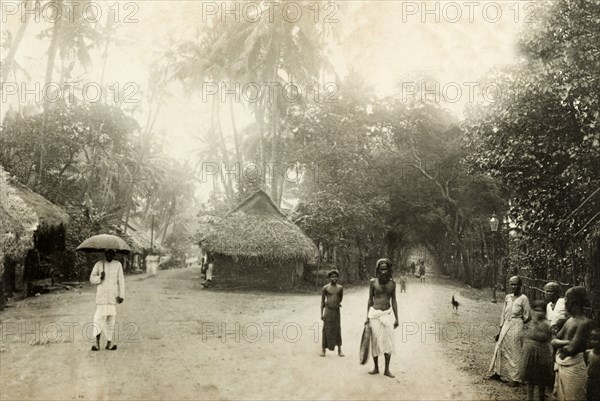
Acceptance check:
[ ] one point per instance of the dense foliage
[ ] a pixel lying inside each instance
(542, 137)
(364, 176)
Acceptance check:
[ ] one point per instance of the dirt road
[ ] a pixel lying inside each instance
(178, 341)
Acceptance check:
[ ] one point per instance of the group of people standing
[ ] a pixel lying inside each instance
(545, 344)
(382, 315)
(421, 272)
(549, 343)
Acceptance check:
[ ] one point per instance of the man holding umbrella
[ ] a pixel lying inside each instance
(108, 275)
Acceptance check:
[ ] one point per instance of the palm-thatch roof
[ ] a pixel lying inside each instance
(7, 222)
(257, 229)
(46, 211)
(138, 239)
(134, 244)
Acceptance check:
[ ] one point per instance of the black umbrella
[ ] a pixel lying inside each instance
(103, 242)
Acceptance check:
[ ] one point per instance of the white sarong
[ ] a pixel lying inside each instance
(570, 378)
(382, 328)
(104, 320)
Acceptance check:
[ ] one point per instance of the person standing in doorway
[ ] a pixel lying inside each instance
(210, 262)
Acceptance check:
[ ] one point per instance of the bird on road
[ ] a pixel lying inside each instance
(455, 304)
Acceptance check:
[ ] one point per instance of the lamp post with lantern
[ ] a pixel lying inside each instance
(494, 229)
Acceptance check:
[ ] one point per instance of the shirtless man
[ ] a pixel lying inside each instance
(570, 342)
(382, 315)
(331, 302)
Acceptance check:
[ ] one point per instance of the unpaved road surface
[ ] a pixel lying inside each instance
(179, 341)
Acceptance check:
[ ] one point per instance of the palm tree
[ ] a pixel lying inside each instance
(148, 175)
(69, 38)
(263, 51)
(8, 62)
(196, 65)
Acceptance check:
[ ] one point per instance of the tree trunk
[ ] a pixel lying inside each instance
(274, 174)
(10, 57)
(281, 184)
(105, 52)
(466, 264)
(236, 138)
(594, 273)
(168, 220)
(260, 115)
(275, 129)
(52, 50)
(228, 186)
(131, 189)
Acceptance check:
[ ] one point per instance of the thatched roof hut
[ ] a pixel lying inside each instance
(45, 211)
(257, 229)
(27, 214)
(8, 222)
(256, 245)
(33, 229)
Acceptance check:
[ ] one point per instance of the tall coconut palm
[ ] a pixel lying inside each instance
(196, 65)
(8, 62)
(71, 38)
(277, 51)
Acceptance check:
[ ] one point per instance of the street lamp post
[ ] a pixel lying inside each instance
(494, 228)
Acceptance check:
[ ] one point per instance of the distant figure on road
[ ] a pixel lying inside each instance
(403, 280)
(331, 302)
(208, 270)
(570, 342)
(422, 270)
(382, 315)
(509, 341)
(413, 268)
(556, 312)
(108, 275)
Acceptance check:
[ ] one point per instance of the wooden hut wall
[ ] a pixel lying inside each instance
(9, 276)
(46, 258)
(237, 274)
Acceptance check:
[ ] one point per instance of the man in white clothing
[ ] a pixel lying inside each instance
(556, 312)
(108, 275)
(208, 270)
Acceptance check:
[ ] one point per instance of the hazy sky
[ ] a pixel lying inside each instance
(456, 42)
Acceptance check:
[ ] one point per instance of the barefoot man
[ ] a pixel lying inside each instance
(331, 302)
(382, 315)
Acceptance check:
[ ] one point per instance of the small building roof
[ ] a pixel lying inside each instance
(257, 229)
(259, 203)
(46, 211)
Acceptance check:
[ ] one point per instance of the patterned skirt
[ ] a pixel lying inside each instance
(537, 364)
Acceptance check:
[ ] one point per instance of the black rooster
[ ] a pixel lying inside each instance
(455, 303)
